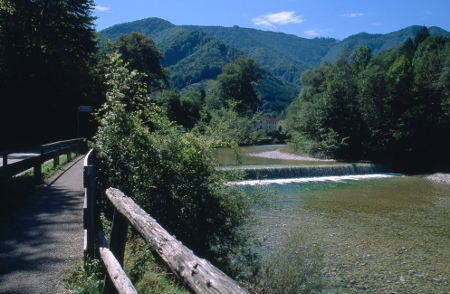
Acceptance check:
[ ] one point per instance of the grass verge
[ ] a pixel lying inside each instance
(146, 274)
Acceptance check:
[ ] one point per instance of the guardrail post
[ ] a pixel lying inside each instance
(117, 243)
(5, 159)
(56, 158)
(89, 183)
(37, 169)
(69, 155)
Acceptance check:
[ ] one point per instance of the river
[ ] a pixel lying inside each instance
(376, 235)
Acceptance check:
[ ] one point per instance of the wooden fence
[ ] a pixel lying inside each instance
(47, 152)
(198, 274)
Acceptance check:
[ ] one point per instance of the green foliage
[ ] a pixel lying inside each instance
(145, 273)
(87, 279)
(141, 53)
(325, 113)
(393, 107)
(235, 84)
(295, 267)
(183, 109)
(168, 173)
(225, 127)
(361, 56)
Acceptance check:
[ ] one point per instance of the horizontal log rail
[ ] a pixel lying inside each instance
(47, 152)
(198, 274)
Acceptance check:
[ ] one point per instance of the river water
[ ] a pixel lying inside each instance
(387, 234)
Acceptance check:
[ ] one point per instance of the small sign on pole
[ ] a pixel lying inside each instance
(85, 108)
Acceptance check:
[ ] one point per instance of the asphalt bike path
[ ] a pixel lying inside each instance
(39, 243)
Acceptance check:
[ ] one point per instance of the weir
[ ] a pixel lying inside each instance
(286, 172)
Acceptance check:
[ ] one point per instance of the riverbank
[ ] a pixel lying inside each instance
(277, 154)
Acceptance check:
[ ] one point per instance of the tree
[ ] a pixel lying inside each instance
(47, 67)
(183, 109)
(236, 84)
(361, 56)
(141, 53)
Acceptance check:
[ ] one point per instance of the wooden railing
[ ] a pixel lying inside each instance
(47, 152)
(198, 274)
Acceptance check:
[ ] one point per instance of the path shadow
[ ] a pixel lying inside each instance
(36, 237)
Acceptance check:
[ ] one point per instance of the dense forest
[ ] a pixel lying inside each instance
(393, 107)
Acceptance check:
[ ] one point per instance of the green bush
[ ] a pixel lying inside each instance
(87, 279)
(226, 127)
(167, 172)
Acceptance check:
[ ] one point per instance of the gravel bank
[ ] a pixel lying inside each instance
(277, 154)
(439, 177)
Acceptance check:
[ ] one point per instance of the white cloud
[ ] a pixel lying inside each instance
(102, 8)
(316, 32)
(353, 14)
(272, 19)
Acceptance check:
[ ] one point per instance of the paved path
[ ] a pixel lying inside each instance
(38, 241)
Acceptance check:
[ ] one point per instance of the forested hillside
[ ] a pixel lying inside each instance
(378, 42)
(195, 55)
(394, 107)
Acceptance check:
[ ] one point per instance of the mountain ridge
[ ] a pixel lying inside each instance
(197, 53)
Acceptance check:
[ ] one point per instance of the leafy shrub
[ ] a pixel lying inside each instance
(168, 173)
(227, 128)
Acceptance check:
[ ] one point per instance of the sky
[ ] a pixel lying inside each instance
(304, 18)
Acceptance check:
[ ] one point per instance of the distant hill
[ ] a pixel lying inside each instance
(195, 55)
(378, 42)
(286, 56)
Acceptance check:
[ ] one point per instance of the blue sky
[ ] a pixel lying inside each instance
(304, 18)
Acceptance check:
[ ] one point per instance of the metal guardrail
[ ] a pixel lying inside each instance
(56, 149)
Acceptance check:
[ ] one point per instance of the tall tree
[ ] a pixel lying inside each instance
(141, 53)
(47, 57)
(236, 84)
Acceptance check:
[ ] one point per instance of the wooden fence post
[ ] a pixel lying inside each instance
(117, 243)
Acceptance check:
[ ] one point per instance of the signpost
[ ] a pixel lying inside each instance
(82, 108)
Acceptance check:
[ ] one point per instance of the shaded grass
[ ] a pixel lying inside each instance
(144, 271)
(87, 279)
